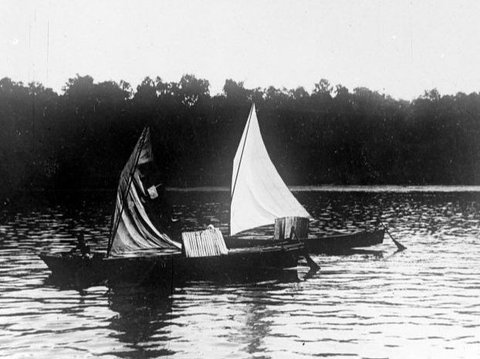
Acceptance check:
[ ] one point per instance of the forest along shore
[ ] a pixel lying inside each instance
(79, 139)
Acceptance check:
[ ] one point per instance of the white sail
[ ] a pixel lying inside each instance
(259, 194)
(133, 230)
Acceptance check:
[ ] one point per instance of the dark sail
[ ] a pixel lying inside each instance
(133, 230)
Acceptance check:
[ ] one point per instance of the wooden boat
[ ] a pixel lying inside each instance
(139, 251)
(325, 244)
(168, 268)
(78, 269)
(260, 198)
(341, 243)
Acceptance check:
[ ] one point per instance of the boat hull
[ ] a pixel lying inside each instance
(318, 244)
(244, 263)
(76, 269)
(240, 262)
(343, 242)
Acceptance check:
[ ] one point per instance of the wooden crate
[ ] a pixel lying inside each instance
(207, 243)
(284, 225)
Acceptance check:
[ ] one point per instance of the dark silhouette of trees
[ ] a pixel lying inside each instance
(80, 139)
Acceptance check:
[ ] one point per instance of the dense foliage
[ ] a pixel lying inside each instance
(81, 139)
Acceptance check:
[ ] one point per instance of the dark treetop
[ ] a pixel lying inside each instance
(80, 139)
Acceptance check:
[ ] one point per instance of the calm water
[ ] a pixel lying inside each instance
(421, 303)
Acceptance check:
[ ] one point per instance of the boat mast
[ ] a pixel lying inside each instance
(243, 148)
(114, 228)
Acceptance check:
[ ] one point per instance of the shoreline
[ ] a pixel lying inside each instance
(303, 188)
(33, 193)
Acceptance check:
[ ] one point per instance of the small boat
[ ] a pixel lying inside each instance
(324, 244)
(259, 197)
(140, 251)
(345, 242)
(166, 268)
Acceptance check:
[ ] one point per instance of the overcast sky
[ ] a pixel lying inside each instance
(400, 48)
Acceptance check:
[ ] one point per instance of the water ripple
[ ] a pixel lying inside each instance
(422, 302)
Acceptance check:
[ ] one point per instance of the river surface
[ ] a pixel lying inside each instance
(420, 303)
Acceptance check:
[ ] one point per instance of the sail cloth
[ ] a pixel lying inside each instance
(259, 194)
(133, 231)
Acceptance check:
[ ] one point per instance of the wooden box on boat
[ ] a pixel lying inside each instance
(283, 228)
(207, 243)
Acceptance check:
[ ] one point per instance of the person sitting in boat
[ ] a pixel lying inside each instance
(81, 246)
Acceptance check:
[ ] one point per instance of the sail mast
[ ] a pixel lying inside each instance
(243, 149)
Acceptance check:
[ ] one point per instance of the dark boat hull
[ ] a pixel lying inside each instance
(76, 269)
(317, 244)
(166, 269)
(241, 262)
(343, 242)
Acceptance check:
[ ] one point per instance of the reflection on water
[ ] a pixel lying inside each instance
(419, 303)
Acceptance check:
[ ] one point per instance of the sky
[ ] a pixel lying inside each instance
(400, 48)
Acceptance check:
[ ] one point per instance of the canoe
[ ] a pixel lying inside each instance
(74, 268)
(330, 244)
(343, 242)
(164, 267)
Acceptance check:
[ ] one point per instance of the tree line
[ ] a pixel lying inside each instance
(81, 138)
